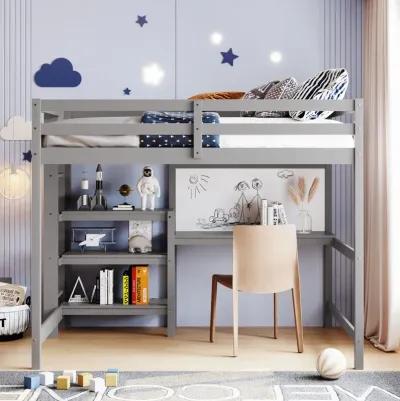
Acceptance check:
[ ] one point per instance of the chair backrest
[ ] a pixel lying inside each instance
(265, 258)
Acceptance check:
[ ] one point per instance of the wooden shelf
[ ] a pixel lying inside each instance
(111, 258)
(156, 307)
(113, 215)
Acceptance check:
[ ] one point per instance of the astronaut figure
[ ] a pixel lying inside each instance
(148, 188)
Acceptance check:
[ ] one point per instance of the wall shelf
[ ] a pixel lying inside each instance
(111, 258)
(113, 215)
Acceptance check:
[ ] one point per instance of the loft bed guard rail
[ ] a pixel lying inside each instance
(55, 113)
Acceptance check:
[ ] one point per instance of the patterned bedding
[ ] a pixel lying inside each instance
(177, 141)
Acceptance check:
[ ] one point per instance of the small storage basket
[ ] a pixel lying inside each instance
(14, 320)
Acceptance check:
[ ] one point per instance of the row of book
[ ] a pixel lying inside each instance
(272, 213)
(135, 286)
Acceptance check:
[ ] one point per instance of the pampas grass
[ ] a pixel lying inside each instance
(301, 186)
(313, 189)
(298, 192)
(294, 195)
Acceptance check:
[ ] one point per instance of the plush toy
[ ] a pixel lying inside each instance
(331, 363)
(148, 188)
(139, 244)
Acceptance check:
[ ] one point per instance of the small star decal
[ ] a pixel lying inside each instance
(27, 156)
(228, 57)
(141, 20)
(127, 91)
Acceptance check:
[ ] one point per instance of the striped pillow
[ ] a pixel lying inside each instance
(257, 93)
(326, 85)
(285, 89)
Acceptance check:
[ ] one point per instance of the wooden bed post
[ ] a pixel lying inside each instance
(36, 236)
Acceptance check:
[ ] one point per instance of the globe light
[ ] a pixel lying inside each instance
(14, 183)
(216, 38)
(275, 57)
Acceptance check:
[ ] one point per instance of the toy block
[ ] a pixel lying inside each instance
(84, 379)
(63, 382)
(71, 374)
(111, 379)
(97, 384)
(112, 370)
(46, 378)
(31, 382)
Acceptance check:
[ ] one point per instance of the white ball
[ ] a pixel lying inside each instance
(331, 363)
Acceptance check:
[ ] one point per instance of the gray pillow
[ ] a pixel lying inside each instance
(257, 93)
(285, 89)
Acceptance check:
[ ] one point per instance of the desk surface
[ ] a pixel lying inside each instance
(225, 237)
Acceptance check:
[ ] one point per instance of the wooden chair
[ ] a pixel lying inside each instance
(265, 261)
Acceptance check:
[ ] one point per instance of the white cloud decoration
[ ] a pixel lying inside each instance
(152, 74)
(16, 129)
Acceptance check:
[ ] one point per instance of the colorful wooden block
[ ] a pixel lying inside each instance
(111, 379)
(31, 382)
(63, 382)
(84, 379)
(46, 378)
(97, 384)
(112, 370)
(71, 374)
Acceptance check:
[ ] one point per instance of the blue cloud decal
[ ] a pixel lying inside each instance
(58, 74)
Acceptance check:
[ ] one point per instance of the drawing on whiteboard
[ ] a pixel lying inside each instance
(256, 202)
(243, 204)
(242, 210)
(285, 174)
(197, 184)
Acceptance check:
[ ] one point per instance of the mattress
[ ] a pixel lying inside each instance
(225, 141)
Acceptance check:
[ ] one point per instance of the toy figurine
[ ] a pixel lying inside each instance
(148, 188)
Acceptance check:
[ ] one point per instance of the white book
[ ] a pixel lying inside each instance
(103, 287)
(264, 212)
(110, 286)
(270, 216)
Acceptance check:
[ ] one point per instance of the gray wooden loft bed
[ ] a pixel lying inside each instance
(50, 186)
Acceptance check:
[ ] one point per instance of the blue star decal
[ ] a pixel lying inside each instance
(228, 57)
(27, 156)
(141, 20)
(127, 91)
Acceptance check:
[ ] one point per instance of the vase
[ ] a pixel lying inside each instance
(304, 222)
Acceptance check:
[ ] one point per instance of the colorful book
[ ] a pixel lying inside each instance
(133, 285)
(125, 288)
(142, 285)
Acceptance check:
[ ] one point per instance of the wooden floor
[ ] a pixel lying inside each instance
(133, 349)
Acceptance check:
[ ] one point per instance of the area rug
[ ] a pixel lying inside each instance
(217, 386)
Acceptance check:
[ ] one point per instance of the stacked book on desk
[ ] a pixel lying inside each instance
(272, 213)
(124, 206)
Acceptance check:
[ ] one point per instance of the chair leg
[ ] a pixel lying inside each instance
(214, 287)
(297, 317)
(276, 316)
(235, 298)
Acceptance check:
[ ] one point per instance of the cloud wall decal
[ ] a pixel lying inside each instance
(58, 74)
(17, 129)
